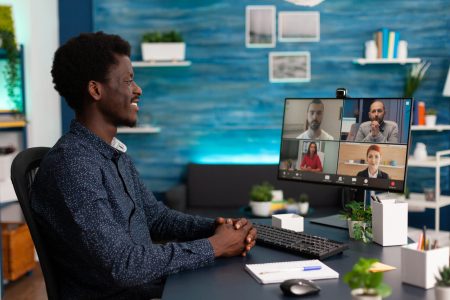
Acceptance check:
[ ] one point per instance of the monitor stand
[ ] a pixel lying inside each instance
(348, 194)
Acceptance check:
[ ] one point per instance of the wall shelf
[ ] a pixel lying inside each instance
(430, 128)
(364, 61)
(431, 162)
(153, 64)
(13, 124)
(383, 166)
(146, 129)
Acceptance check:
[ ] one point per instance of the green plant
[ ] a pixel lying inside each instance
(162, 37)
(431, 112)
(261, 192)
(290, 201)
(444, 277)
(355, 211)
(303, 198)
(370, 282)
(414, 77)
(12, 55)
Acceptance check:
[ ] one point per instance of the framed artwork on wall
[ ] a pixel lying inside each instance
(299, 26)
(290, 66)
(260, 26)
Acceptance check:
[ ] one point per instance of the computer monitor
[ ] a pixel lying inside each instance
(353, 142)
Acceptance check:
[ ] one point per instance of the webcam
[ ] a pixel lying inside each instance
(341, 93)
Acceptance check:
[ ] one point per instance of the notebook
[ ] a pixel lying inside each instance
(281, 271)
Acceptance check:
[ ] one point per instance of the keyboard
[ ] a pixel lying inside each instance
(306, 245)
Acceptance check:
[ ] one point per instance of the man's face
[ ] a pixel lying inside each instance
(376, 112)
(315, 115)
(121, 94)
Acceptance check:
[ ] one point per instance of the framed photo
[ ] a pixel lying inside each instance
(260, 26)
(290, 66)
(299, 26)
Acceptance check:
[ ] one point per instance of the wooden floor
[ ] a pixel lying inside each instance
(28, 287)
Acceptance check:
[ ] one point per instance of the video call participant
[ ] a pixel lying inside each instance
(98, 220)
(311, 161)
(314, 116)
(373, 158)
(377, 130)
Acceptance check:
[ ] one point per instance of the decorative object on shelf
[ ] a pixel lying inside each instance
(309, 3)
(429, 193)
(446, 91)
(402, 50)
(414, 77)
(359, 221)
(366, 284)
(7, 35)
(420, 153)
(303, 204)
(163, 46)
(260, 26)
(442, 289)
(299, 26)
(260, 199)
(430, 117)
(290, 66)
(371, 50)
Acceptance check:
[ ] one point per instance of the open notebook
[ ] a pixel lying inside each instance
(281, 271)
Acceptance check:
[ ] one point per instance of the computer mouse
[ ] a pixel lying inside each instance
(299, 287)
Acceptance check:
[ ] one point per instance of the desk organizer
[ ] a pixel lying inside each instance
(419, 267)
(390, 223)
(288, 221)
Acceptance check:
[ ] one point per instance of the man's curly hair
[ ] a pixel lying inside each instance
(86, 57)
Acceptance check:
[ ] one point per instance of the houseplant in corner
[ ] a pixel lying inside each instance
(442, 290)
(366, 285)
(359, 220)
(260, 199)
(303, 204)
(163, 46)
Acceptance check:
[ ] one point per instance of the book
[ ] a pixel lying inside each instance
(396, 40)
(391, 44)
(280, 271)
(385, 42)
(421, 113)
(379, 42)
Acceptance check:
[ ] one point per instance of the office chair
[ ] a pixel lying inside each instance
(23, 170)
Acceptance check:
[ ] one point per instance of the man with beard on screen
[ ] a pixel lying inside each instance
(314, 119)
(377, 130)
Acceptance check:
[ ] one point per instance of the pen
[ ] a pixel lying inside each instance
(305, 268)
(378, 198)
(373, 198)
(424, 237)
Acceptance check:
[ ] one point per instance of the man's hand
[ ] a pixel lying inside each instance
(250, 239)
(228, 241)
(375, 128)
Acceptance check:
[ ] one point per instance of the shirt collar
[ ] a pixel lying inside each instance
(372, 176)
(109, 151)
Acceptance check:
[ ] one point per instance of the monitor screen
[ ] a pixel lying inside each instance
(356, 142)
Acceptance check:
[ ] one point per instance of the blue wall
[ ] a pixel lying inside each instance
(223, 108)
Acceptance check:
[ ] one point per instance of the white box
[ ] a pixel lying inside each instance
(419, 267)
(288, 221)
(390, 223)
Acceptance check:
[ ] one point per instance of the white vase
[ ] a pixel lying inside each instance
(371, 50)
(402, 51)
(303, 208)
(163, 51)
(357, 294)
(261, 209)
(420, 153)
(430, 120)
(442, 292)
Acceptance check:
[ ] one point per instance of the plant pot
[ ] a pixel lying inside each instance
(350, 224)
(163, 51)
(442, 292)
(303, 208)
(292, 208)
(261, 209)
(430, 120)
(358, 294)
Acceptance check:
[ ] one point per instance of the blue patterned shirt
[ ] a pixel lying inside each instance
(99, 220)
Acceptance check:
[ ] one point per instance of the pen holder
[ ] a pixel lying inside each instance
(420, 267)
(390, 223)
(288, 221)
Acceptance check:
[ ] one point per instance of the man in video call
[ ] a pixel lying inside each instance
(377, 130)
(314, 119)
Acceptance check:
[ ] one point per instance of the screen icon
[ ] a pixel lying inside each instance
(353, 179)
(327, 177)
(340, 178)
(392, 183)
(366, 180)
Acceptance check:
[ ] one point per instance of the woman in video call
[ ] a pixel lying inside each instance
(373, 158)
(311, 161)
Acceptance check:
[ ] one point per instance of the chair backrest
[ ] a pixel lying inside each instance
(23, 170)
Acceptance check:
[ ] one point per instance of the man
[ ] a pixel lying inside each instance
(314, 116)
(98, 219)
(377, 130)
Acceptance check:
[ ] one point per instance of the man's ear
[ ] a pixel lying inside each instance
(95, 90)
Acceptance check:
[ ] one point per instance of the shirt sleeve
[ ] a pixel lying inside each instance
(318, 163)
(92, 229)
(393, 136)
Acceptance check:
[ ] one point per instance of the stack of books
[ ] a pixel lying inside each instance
(387, 43)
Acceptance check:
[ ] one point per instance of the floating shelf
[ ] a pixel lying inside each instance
(364, 61)
(148, 129)
(418, 199)
(13, 124)
(430, 128)
(153, 64)
(429, 163)
(383, 166)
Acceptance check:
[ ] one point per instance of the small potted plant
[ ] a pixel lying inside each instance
(303, 204)
(163, 46)
(359, 220)
(442, 290)
(366, 285)
(431, 117)
(260, 199)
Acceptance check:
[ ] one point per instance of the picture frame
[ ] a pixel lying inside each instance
(290, 66)
(260, 26)
(299, 26)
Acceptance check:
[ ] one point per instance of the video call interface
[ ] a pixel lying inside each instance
(360, 142)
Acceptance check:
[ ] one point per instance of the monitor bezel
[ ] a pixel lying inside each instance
(402, 190)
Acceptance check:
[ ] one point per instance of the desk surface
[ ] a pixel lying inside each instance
(226, 279)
